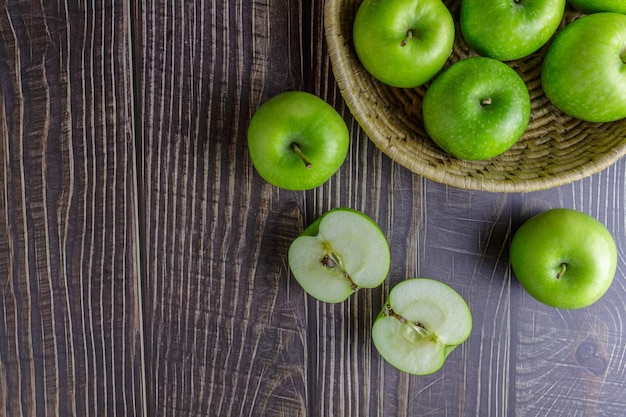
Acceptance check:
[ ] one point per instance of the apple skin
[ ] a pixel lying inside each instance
(354, 240)
(507, 29)
(380, 40)
(301, 118)
(596, 6)
(459, 117)
(584, 69)
(557, 237)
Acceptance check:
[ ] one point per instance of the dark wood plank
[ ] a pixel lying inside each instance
(227, 334)
(70, 307)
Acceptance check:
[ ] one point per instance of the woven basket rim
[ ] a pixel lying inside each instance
(343, 62)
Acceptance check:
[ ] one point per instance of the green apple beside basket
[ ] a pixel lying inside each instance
(555, 150)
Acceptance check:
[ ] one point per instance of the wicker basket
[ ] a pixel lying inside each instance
(555, 150)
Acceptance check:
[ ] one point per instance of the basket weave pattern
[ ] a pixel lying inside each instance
(556, 149)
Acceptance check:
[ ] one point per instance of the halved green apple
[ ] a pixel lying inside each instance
(422, 321)
(342, 251)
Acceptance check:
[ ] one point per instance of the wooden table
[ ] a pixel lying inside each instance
(143, 260)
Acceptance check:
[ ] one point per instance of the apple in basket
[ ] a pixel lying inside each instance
(403, 43)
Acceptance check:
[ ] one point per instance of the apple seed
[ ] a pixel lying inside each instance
(327, 261)
(333, 261)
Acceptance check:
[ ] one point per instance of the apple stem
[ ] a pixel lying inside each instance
(486, 101)
(562, 271)
(298, 151)
(409, 35)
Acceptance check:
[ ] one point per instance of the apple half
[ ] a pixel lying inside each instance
(422, 321)
(342, 251)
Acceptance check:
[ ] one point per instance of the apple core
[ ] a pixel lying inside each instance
(413, 332)
(332, 261)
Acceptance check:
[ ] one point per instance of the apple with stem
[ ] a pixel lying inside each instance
(596, 6)
(509, 29)
(342, 251)
(476, 109)
(297, 141)
(421, 323)
(584, 69)
(564, 258)
(403, 43)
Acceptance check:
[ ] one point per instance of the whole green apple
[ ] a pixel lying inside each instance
(584, 69)
(403, 43)
(509, 29)
(421, 323)
(564, 258)
(476, 109)
(595, 6)
(297, 141)
(340, 252)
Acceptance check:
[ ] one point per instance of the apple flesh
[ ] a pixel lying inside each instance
(564, 258)
(509, 29)
(297, 141)
(342, 251)
(476, 109)
(584, 69)
(403, 43)
(421, 323)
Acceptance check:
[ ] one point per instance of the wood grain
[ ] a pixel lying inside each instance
(70, 307)
(143, 261)
(221, 297)
(226, 336)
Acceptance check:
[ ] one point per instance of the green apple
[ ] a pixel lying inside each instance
(584, 69)
(297, 141)
(476, 109)
(403, 43)
(509, 29)
(340, 252)
(564, 258)
(422, 321)
(595, 6)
